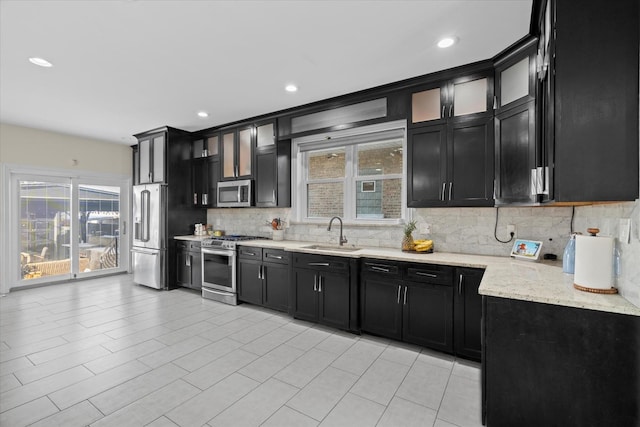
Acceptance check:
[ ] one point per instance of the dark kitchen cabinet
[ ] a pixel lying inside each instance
(189, 264)
(411, 302)
(467, 313)
(272, 167)
(321, 291)
(263, 277)
(521, 172)
(173, 164)
(589, 81)
(150, 159)
(451, 165)
(380, 295)
(237, 148)
(551, 365)
(205, 170)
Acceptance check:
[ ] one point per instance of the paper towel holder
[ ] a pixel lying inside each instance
(593, 232)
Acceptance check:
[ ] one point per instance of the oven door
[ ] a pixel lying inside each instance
(218, 269)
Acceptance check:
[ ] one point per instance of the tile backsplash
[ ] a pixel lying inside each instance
(463, 230)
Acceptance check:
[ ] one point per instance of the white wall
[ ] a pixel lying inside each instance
(34, 147)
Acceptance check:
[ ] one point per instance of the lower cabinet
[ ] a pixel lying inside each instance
(189, 264)
(322, 291)
(263, 277)
(467, 313)
(422, 304)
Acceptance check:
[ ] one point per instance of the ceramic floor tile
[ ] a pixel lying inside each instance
(169, 353)
(121, 357)
(67, 349)
(150, 407)
(301, 371)
(257, 406)
(461, 404)
(79, 415)
(287, 417)
(254, 331)
(468, 369)
(381, 381)
(319, 397)
(442, 423)
(207, 354)
(212, 401)
(224, 366)
(359, 357)
(271, 363)
(424, 384)
(96, 384)
(337, 343)
(354, 411)
(33, 373)
(403, 413)
(404, 354)
(181, 334)
(433, 357)
(128, 392)
(14, 353)
(14, 365)
(20, 395)
(136, 338)
(9, 382)
(308, 339)
(269, 341)
(218, 332)
(162, 422)
(28, 413)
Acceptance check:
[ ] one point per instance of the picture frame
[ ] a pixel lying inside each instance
(368, 186)
(526, 249)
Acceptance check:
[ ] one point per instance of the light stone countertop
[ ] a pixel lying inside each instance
(504, 277)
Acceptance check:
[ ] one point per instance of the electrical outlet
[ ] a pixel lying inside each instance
(425, 229)
(511, 228)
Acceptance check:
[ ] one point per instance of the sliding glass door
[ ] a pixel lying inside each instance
(68, 227)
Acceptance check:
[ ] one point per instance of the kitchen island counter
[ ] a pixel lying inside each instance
(542, 282)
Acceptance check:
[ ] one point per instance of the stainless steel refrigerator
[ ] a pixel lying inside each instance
(149, 235)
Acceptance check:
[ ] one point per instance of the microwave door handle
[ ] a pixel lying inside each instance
(239, 199)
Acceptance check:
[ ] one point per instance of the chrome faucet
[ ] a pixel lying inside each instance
(343, 239)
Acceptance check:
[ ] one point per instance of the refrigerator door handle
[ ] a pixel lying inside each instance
(145, 196)
(141, 251)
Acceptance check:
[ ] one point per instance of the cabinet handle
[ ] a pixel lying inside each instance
(315, 283)
(405, 295)
(320, 283)
(273, 196)
(376, 268)
(399, 287)
(260, 272)
(274, 256)
(460, 284)
(249, 253)
(195, 198)
(187, 261)
(450, 109)
(205, 199)
(443, 107)
(236, 172)
(419, 273)
(444, 185)
(450, 185)
(319, 264)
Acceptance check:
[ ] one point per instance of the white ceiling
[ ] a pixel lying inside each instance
(123, 66)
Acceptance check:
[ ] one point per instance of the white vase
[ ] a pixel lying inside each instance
(278, 234)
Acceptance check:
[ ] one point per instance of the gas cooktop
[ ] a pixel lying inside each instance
(217, 240)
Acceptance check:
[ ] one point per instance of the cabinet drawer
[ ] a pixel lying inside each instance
(275, 255)
(250, 252)
(381, 269)
(321, 263)
(429, 273)
(188, 245)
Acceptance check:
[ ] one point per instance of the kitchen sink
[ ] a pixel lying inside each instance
(331, 248)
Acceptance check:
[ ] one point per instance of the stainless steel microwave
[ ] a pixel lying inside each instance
(233, 194)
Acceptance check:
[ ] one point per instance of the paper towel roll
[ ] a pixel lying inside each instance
(594, 262)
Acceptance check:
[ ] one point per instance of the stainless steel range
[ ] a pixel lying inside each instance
(219, 268)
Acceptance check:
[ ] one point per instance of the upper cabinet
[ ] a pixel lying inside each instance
(520, 168)
(450, 144)
(465, 97)
(237, 153)
(272, 167)
(589, 79)
(205, 169)
(151, 159)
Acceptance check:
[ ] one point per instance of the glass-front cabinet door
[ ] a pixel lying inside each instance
(469, 97)
(427, 105)
(245, 152)
(228, 155)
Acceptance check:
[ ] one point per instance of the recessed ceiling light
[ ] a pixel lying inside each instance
(203, 114)
(291, 88)
(446, 42)
(41, 62)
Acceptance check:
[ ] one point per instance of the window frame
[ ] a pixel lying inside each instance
(352, 138)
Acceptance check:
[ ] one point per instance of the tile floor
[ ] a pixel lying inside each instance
(107, 352)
